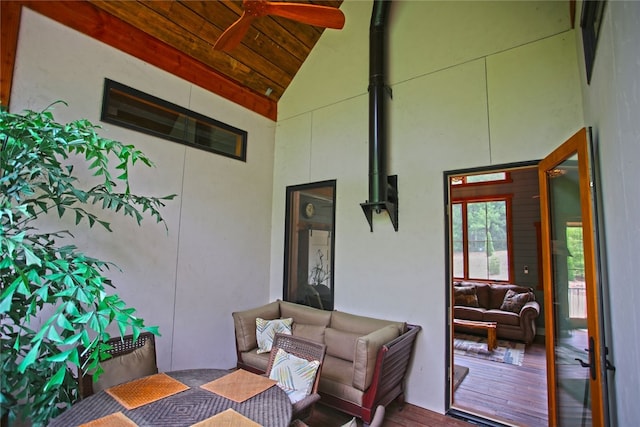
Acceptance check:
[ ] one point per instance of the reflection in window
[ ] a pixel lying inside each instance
(309, 244)
(132, 109)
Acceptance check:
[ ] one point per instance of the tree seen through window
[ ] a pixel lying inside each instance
(481, 240)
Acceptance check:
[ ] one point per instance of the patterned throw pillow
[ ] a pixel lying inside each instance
(267, 329)
(514, 301)
(465, 295)
(294, 375)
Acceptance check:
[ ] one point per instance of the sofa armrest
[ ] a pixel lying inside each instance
(530, 310)
(244, 323)
(366, 352)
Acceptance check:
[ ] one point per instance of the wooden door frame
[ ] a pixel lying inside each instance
(577, 144)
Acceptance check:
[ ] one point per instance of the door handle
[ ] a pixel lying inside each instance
(592, 363)
(583, 363)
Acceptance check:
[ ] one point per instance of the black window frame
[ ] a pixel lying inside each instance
(297, 219)
(159, 104)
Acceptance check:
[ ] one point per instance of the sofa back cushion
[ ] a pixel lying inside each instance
(482, 292)
(310, 332)
(303, 314)
(366, 354)
(360, 324)
(245, 324)
(340, 343)
(514, 301)
(498, 293)
(465, 296)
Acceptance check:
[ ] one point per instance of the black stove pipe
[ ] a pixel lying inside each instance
(382, 188)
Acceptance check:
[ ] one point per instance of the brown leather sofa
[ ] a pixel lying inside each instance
(515, 318)
(366, 360)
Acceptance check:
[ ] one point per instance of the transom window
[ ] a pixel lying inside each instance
(483, 178)
(132, 109)
(481, 239)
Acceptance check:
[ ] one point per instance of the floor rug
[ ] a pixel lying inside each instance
(475, 346)
(459, 372)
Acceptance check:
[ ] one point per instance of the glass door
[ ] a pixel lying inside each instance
(574, 337)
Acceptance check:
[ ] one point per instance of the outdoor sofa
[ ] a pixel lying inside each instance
(366, 359)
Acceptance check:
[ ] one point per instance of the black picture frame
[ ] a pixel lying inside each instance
(590, 22)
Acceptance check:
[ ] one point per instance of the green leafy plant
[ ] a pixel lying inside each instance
(53, 297)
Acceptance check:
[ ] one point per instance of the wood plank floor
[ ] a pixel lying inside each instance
(514, 395)
(507, 394)
(395, 416)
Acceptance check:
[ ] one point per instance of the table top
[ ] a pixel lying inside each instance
(270, 408)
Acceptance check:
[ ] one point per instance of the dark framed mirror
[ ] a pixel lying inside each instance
(309, 244)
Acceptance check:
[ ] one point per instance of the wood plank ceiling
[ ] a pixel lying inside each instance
(265, 63)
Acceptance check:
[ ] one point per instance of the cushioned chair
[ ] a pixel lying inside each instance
(130, 360)
(304, 349)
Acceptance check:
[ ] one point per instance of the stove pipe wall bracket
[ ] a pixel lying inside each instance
(383, 189)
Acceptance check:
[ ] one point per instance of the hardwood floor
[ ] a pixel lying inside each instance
(501, 393)
(395, 416)
(513, 395)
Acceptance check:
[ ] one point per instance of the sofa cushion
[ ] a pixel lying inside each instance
(367, 352)
(482, 292)
(266, 330)
(256, 360)
(137, 364)
(514, 301)
(245, 324)
(340, 343)
(499, 290)
(465, 295)
(335, 380)
(295, 375)
(310, 332)
(468, 313)
(361, 324)
(501, 317)
(303, 314)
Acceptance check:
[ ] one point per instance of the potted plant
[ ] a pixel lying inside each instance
(43, 275)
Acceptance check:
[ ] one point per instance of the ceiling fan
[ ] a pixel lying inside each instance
(312, 14)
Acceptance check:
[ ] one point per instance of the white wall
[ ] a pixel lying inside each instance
(474, 84)
(215, 257)
(612, 108)
(461, 73)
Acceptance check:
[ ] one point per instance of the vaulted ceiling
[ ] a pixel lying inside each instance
(255, 74)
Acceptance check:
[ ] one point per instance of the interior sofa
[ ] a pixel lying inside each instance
(366, 358)
(514, 312)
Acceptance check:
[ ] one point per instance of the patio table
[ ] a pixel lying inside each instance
(270, 408)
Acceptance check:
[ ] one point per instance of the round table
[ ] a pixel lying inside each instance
(270, 408)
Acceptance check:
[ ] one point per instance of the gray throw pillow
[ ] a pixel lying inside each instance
(514, 301)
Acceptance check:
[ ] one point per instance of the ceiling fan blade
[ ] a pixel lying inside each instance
(312, 14)
(232, 36)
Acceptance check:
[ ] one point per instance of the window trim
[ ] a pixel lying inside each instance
(507, 179)
(160, 104)
(508, 198)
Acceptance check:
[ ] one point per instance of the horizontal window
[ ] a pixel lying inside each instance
(484, 178)
(132, 109)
